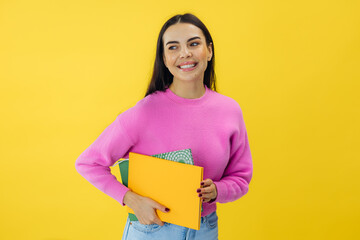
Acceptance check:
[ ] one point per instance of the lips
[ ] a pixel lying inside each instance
(187, 65)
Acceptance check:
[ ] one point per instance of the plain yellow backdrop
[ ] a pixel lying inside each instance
(68, 68)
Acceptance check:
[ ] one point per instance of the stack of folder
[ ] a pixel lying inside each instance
(171, 183)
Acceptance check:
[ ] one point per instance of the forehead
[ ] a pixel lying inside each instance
(182, 32)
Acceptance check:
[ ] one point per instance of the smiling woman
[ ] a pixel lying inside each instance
(181, 110)
(184, 44)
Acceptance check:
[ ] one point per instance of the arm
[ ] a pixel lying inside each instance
(237, 175)
(93, 164)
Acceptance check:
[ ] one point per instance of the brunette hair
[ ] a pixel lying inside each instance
(161, 77)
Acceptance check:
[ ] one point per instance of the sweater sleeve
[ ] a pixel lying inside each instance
(237, 175)
(93, 164)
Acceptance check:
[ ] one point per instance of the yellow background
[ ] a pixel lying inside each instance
(68, 68)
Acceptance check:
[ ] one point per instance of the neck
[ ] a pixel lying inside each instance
(189, 90)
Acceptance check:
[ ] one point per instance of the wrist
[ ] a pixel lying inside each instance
(130, 199)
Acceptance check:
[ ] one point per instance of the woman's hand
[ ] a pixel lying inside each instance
(208, 190)
(144, 208)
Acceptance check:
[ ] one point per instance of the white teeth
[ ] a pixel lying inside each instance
(187, 66)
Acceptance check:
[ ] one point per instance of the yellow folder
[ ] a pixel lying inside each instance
(172, 184)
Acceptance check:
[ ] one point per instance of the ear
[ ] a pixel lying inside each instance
(210, 51)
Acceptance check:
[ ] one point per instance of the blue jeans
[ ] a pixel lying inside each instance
(208, 230)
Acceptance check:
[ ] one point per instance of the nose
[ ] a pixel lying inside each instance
(185, 52)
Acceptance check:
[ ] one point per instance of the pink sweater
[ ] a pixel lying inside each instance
(212, 126)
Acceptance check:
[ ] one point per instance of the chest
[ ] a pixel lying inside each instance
(207, 136)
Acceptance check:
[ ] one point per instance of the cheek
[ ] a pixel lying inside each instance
(203, 54)
(169, 59)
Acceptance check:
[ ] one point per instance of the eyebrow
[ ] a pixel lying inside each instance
(190, 39)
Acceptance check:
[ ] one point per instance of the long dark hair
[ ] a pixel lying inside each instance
(161, 77)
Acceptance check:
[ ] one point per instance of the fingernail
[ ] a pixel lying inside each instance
(202, 183)
(200, 195)
(166, 209)
(199, 190)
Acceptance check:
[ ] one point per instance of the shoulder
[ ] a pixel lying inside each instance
(230, 112)
(141, 109)
(226, 103)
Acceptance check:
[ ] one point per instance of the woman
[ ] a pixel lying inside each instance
(179, 111)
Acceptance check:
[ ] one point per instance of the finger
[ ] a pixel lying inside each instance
(207, 182)
(158, 221)
(208, 196)
(209, 189)
(161, 207)
(206, 200)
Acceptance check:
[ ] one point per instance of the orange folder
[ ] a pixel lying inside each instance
(172, 184)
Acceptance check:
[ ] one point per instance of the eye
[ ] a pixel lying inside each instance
(172, 47)
(194, 44)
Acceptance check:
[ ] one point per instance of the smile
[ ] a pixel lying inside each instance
(188, 67)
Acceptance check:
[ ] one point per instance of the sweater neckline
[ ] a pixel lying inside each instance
(192, 101)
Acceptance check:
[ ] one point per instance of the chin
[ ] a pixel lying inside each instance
(187, 80)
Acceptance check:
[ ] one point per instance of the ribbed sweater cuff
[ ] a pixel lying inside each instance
(221, 192)
(118, 191)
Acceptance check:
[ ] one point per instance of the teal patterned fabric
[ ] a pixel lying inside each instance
(181, 156)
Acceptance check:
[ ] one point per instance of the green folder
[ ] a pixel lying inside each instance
(181, 156)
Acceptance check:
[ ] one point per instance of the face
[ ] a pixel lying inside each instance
(186, 54)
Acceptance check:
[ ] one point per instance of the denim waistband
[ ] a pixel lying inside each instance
(204, 219)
